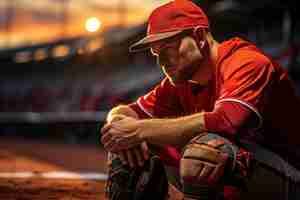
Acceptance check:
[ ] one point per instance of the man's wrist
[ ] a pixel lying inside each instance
(151, 136)
(141, 135)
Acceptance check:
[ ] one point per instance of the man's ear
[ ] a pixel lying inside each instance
(200, 33)
(200, 37)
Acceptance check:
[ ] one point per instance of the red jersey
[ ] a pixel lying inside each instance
(243, 75)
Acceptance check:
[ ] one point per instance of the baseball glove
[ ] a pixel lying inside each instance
(141, 183)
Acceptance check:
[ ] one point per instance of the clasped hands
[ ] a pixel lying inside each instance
(123, 135)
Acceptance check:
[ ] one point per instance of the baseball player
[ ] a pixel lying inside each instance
(223, 120)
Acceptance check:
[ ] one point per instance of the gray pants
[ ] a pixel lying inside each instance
(266, 184)
(273, 177)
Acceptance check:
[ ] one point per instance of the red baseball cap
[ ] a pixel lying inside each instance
(171, 19)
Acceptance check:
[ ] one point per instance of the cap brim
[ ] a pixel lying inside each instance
(144, 43)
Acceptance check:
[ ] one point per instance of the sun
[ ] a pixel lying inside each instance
(92, 24)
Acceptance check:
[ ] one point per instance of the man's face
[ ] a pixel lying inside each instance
(179, 57)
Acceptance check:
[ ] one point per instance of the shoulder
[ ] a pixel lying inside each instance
(249, 55)
(246, 61)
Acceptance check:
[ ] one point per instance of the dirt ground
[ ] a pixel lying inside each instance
(19, 155)
(40, 189)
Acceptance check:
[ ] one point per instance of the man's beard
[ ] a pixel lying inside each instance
(185, 73)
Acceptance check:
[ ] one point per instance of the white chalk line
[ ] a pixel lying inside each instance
(55, 175)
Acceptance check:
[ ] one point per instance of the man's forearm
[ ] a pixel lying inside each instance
(121, 110)
(177, 131)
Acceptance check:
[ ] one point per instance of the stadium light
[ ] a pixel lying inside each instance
(92, 24)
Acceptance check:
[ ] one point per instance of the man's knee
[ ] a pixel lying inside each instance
(203, 163)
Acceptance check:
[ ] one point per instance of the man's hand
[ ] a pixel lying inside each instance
(134, 156)
(128, 132)
(121, 134)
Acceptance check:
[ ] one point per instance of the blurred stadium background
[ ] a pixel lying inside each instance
(65, 63)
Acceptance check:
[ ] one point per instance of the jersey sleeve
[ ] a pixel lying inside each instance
(160, 102)
(230, 118)
(247, 80)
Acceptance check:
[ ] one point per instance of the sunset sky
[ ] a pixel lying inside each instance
(33, 21)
